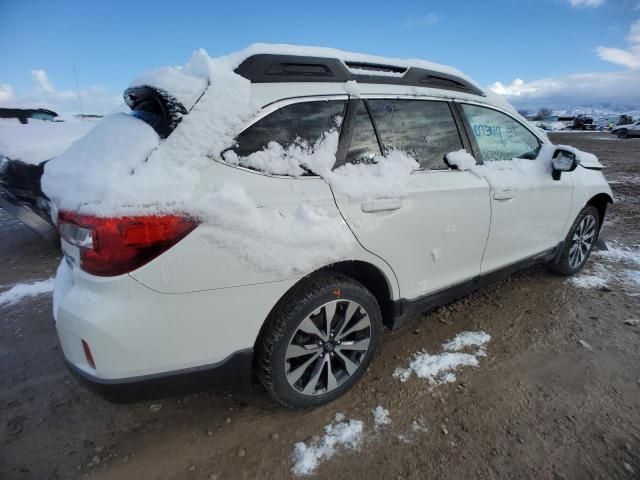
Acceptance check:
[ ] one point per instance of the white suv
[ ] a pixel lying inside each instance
(352, 193)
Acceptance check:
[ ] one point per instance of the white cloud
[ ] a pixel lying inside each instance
(630, 58)
(423, 21)
(42, 80)
(586, 3)
(619, 88)
(6, 92)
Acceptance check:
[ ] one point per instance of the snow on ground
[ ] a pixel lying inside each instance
(439, 368)
(341, 433)
(619, 264)
(21, 291)
(39, 140)
(380, 417)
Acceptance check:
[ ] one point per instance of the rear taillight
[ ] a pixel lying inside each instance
(113, 246)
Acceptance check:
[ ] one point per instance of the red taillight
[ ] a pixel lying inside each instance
(113, 246)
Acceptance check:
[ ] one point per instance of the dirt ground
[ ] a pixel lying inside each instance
(557, 396)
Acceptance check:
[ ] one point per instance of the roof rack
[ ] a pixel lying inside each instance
(277, 68)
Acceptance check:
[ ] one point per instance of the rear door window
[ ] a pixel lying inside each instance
(299, 124)
(423, 129)
(364, 144)
(500, 137)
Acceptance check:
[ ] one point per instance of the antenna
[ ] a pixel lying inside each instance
(75, 75)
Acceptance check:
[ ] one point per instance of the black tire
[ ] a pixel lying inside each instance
(622, 133)
(566, 264)
(283, 328)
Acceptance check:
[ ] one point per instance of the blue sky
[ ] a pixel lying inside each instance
(110, 42)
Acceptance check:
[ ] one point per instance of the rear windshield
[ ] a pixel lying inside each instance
(156, 108)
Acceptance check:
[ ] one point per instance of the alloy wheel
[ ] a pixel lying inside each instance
(327, 347)
(582, 241)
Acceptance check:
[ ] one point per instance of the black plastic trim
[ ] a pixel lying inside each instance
(274, 68)
(406, 309)
(232, 374)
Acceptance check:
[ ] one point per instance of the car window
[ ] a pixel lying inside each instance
(364, 144)
(500, 137)
(299, 123)
(423, 129)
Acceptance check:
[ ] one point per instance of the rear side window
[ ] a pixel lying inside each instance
(423, 129)
(364, 144)
(500, 137)
(299, 123)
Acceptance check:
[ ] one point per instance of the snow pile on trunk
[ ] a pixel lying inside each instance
(39, 140)
(380, 417)
(23, 290)
(438, 369)
(149, 180)
(341, 433)
(103, 158)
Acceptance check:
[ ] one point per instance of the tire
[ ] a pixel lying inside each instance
(624, 133)
(333, 364)
(579, 242)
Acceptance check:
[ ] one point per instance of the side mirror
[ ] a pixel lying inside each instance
(563, 161)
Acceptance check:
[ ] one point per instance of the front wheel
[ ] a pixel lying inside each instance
(624, 133)
(579, 242)
(319, 341)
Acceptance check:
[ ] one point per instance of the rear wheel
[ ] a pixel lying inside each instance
(624, 133)
(319, 341)
(579, 242)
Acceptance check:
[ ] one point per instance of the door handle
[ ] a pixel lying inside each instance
(504, 195)
(384, 205)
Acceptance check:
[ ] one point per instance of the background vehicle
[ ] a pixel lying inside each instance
(583, 122)
(627, 131)
(28, 139)
(299, 284)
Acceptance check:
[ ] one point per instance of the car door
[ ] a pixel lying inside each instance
(434, 233)
(529, 208)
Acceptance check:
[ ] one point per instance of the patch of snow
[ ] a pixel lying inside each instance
(617, 253)
(461, 159)
(351, 87)
(39, 140)
(24, 290)
(419, 425)
(185, 83)
(438, 369)
(588, 281)
(380, 417)
(467, 339)
(294, 159)
(271, 240)
(341, 433)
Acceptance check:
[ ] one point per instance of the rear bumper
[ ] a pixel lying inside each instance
(233, 374)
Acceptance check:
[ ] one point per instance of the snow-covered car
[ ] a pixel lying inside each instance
(627, 131)
(270, 211)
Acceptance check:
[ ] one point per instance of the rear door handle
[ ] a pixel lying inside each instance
(504, 195)
(384, 205)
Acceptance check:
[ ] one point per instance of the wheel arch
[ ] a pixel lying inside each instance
(370, 276)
